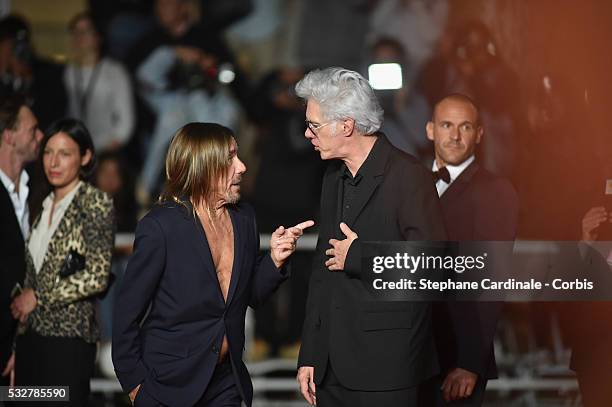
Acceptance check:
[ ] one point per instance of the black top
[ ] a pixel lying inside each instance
(350, 184)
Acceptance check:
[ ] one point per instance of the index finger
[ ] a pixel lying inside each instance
(304, 225)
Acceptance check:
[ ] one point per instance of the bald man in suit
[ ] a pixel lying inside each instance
(476, 206)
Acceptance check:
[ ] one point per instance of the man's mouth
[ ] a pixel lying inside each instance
(455, 146)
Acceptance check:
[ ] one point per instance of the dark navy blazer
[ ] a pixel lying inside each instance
(174, 351)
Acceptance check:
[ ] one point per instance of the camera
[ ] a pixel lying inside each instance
(192, 77)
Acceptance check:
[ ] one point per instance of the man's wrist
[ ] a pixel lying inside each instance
(277, 263)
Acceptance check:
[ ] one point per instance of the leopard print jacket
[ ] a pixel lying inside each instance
(67, 306)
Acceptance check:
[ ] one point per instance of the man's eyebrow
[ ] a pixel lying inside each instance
(459, 124)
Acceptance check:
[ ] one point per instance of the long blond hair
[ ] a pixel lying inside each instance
(198, 158)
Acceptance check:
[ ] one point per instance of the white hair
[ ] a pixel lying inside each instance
(343, 94)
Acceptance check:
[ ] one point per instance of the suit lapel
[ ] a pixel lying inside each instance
(240, 226)
(459, 185)
(55, 255)
(370, 184)
(201, 246)
(377, 158)
(331, 201)
(7, 206)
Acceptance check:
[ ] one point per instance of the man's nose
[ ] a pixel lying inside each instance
(454, 134)
(241, 167)
(308, 133)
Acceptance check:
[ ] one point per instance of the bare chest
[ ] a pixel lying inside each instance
(220, 237)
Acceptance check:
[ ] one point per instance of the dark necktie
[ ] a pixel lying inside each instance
(442, 174)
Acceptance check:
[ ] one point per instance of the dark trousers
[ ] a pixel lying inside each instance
(431, 395)
(54, 361)
(331, 393)
(220, 392)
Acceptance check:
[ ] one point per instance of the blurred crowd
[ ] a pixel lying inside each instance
(139, 70)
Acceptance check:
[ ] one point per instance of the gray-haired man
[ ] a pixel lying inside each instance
(357, 351)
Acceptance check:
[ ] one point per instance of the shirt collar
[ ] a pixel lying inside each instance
(374, 162)
(346, 174)
(8, 183)
(454, 170)
(65, 201)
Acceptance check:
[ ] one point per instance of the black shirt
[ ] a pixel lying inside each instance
(350, 184)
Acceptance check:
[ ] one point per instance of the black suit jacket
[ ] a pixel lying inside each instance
(12, 270)
(175, 350)
(477, 206)
(372, 345)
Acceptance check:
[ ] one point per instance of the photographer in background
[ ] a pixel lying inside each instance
(180, 67)
(182, 85)
(22, 72)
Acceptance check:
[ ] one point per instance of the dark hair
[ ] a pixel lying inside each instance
(77, 131)
(14, 27)
(17, 30)
(467, 30)
(83, 15)
(10, 106)
(389, 42)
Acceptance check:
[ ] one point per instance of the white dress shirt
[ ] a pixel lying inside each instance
(454, 171)
(20, 200)
(43, 231)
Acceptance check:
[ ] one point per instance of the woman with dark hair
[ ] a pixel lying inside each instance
(67, 264)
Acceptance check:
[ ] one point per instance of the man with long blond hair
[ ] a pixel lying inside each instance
(195, 269)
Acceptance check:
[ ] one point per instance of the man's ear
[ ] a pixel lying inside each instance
(347, 126)
(429, 128)
(479, 133)
(7, 138)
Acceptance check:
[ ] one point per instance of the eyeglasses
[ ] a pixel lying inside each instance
(315, 127)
